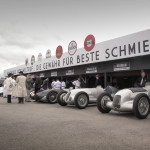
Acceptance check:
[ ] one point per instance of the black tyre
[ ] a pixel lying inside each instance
(52, 97)
(141, 106)
(60, 100)
(101, 102)
(36, 98)
(81, 100)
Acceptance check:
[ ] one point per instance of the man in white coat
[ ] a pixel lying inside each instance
(63, 85)
(21, 91)
(4, 89)
(57, 84)
(77, 83)
(52, 84)
(9, 87)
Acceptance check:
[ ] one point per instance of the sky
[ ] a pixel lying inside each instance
(28, 27)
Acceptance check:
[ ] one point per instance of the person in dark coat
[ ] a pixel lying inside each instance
(38, 83)
(98, 81)
(45, 84)
(142, 80)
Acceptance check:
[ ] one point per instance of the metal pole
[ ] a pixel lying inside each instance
(105, 79)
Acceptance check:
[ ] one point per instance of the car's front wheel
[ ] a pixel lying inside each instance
(81, 100)
(52, 97)
(101, 102)
(60, 97)
(141, 106)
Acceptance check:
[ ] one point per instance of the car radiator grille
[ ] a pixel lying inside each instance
(67, 96)
(116, 101)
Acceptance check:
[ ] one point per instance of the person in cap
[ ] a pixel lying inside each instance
(98, 81)
(21, 91)
(57, 84)
(29, 85)
(142, 80)
(9, 87)
(77, 83)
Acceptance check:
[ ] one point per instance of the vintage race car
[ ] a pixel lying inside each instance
(84, 96)
(49, 95)
(136, 100)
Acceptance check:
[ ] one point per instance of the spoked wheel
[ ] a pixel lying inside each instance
(81, 100)
(52, 97)
(60, 97)
(141, 106)
(101, 102)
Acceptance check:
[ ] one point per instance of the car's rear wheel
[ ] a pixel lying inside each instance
(36, 97)
(101, 102)
(52, 97)
(81, 100)
(60, 97)
(141, 106)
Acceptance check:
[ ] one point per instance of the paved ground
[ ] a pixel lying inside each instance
(41, 126)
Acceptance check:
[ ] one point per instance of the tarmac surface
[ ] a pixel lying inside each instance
(43, 126)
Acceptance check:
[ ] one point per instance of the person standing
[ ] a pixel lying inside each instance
(63, 85)
(98, 81)
(21, 91)
(57, 84)
(9, 87)
(45, 84)
(14, 86)
(29, 85)
(52, 84)
(77, 83)
(142, 80)
(38, 83)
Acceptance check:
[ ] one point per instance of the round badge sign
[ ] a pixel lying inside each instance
(59, 51)
(89, 43)
(72, 48)
(48, 53)
(40, 57)
(32, 59)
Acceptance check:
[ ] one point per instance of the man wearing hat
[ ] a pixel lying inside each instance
(142, 80)
(9, 87)
(21, 91)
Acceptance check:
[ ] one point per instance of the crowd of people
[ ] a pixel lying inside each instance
(21, 86)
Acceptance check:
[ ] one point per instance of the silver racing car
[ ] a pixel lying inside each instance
(136, 100)
(84, 96)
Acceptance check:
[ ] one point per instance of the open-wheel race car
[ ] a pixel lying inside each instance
(49, 95)
(136, 100)
(84, 96)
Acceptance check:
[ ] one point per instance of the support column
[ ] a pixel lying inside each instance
(105, 80)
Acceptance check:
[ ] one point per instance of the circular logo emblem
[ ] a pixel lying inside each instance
(72, 48)
(48, 53)
(40, 57)
(59, 51)
(26, 62)
(89, 43)
(32, 59)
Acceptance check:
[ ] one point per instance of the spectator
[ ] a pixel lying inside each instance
(142, 80)
(52, 84)
(9, 87)
(20, 90)
(29, 85)
(63, 85)
(77, 83)
(38, 83)
(57, 84)
(98, 81)
(45, 84)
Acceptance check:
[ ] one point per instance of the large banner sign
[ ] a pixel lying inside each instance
(133, 45)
